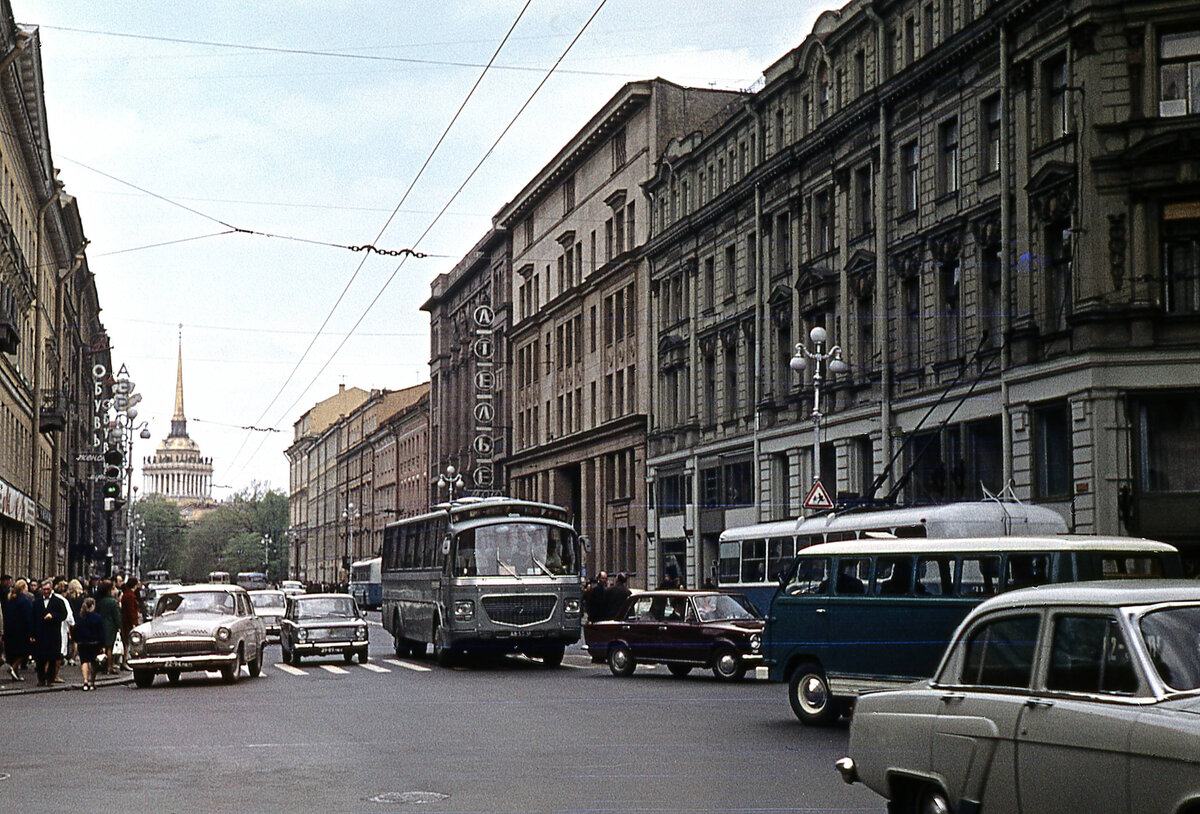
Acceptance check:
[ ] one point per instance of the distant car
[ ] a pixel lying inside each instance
(269, 606)
(291, 587)
(150, 594)
(1074, 697)
(198, 628)
(323, 625)
(681, 629)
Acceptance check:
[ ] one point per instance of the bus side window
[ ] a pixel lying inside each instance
(979, 576)
(779, 556)
(729, 566)
(1024, 570)
(811, 576)
(754, 560)
(935, 576)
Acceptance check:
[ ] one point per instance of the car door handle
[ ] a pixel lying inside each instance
(954, 696)
(1038, 702)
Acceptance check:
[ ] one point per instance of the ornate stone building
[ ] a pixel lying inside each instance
(178, 471)
(992, 208)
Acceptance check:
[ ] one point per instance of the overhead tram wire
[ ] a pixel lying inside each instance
(417, 242)
(312, 342)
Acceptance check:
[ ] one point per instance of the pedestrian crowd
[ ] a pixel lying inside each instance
(59, 621)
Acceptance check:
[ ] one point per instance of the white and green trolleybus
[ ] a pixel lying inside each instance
(482, 576)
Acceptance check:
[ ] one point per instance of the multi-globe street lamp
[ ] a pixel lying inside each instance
(823, 361)
(451, 479)
(351, 516)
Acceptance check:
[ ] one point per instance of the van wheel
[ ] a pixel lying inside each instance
(808, 693)
(621, 661)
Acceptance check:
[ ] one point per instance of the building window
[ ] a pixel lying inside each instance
(710, 389)
(1054, 107)
(1052, 459)
(860, 73)
(910, 41)
(527, 231)
(908, 177)
(1168, 429)
(822, 238)
(951, 310)
(781, 504)
(568, 194)
(751, 260)
(618, 150)
(990, 295)
(948, 157)
(911, 299)
(731, 382)
(862, 196)
(739, 483)
(1179, 74)
(709, 283)
(927, 33)
(673, 493)
(730, 269)
(1180, 229)
(947, 18)
(990, 114)
(1057, 275)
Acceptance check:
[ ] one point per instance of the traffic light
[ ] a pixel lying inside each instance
(112, 477)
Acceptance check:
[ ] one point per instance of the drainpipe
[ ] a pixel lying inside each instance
(1006, 261)
(881, 255)
(759, 327)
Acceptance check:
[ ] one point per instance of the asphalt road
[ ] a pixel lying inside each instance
(395, 736)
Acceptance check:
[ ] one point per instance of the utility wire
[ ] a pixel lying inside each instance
(458, 191)
(291, 375)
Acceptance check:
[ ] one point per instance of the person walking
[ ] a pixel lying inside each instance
(60, 590)
(89, 640)
(18, 627)
(49, 613)
(596, 604)
(75, 597)
(110, 612)
(131, 615)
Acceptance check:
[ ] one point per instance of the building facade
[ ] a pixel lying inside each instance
(51, 338)
(577, 343)
(992, 210)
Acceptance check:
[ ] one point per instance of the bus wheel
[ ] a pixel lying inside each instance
(442, 654)
(621, 661)
(808, 692)
(401, 646)
(552, 654)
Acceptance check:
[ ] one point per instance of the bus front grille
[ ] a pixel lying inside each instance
(520, 609)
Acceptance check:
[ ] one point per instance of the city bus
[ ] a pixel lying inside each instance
(483, 576)
(219, 577)
(253, 580)
(366, 582)
(153, 577)
(871, 614)
(752, 558)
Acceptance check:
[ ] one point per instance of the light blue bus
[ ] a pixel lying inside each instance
(366, 582)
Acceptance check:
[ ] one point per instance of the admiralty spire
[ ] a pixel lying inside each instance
(178, 471)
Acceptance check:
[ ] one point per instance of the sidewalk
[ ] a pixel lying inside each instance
(71, 675)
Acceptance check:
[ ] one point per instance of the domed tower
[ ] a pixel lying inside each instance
(178, 471)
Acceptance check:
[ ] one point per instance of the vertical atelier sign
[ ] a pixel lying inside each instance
(484, 350)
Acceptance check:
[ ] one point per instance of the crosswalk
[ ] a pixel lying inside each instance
(387, 666)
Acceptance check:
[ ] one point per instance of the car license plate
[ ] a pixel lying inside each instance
(325, 651)
(174, 664)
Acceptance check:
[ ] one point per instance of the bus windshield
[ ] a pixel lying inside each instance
(515, 550)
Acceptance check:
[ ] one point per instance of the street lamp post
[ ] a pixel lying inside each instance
(450, 479)
(350, 515)
(830, 360)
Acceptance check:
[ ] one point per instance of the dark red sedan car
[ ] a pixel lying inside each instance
(681, 629)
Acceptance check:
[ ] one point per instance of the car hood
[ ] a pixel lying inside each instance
(739, 624)
(185, 625)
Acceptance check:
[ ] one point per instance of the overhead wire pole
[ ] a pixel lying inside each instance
(438, 217)
(378, 237)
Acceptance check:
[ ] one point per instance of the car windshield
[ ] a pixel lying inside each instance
(1172, 637)
(719, 607)
(515, 550)
(267, 601)
(218, 602)
(326, 606)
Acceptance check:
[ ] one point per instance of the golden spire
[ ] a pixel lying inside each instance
(179, 420)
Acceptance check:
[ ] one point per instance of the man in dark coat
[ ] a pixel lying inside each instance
(49, 613)
(614, 597)
(595, 603)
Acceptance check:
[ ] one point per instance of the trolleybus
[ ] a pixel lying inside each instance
(483, 575)
(366, 584)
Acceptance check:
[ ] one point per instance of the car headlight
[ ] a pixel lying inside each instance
(464, 610)
(136, 637)
(571, 607)
(224, 634)
(755, 642)
(360, 632)
(302, 635)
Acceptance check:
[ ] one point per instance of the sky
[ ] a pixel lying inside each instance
(225, 154)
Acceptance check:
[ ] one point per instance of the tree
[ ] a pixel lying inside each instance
(162, 532)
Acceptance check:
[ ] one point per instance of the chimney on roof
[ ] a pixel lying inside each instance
(342, 387)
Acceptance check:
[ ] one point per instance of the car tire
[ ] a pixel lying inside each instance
(256, 665)
(233, 672)
(728, 664)
(173, 676)
(621, 661)
(363, 656)
(809, 695)
(348, 656)
(143, 678)
(679, 670)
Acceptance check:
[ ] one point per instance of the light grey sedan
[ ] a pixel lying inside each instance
(1079, 697)
(198, 628)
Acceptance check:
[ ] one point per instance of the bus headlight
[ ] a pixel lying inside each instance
(755, 642)
(464, 610)
(223, 634)
(571, 607)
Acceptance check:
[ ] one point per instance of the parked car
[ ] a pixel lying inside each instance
(681, 629)
(1076, 697)
(198, 628)
(323, 625)
(269, 605)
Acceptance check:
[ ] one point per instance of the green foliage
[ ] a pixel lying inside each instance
(234, 536)
(162, 532)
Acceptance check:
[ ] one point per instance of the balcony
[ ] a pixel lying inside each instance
(54, 411)
(10, 337)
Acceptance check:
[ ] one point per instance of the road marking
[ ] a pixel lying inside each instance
(333, 668)
(374, 668)
(287, 668)
(420, 668)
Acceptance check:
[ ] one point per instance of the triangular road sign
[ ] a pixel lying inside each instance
(818, 498)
